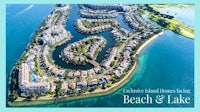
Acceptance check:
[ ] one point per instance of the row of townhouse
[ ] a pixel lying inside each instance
(90, 49)
(48, 65)
(117, 7)
(110, 58)
(79, 25)
(89, 13)
(126, 57)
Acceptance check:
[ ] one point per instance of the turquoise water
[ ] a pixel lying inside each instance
(167, 62)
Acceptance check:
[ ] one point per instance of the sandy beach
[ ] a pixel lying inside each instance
(148, 41)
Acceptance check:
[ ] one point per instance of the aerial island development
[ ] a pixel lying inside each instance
(37, 77)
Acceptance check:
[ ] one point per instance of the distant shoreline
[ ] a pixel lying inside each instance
(173, 5)
(170, 22)
(107, 91)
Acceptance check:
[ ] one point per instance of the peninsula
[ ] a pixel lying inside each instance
(36, 78)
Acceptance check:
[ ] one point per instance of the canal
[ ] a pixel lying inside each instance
(78, 36)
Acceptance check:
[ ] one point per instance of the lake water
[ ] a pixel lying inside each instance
(167, 62)
(186, 15)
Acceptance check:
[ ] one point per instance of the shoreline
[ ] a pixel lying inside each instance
(148, 41)
(107, 91)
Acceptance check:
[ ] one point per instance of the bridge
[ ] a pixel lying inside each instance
(93, 62)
